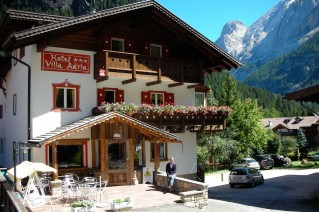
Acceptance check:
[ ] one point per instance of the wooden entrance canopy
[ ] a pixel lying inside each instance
(152, 133)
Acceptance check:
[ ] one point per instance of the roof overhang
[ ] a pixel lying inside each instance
(310, 94)
(32, 36)
(153, 133)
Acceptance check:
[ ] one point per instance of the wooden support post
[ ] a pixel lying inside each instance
(93, 137)
(131, 161)
(102, 150)
(156, 156)
(54, 160)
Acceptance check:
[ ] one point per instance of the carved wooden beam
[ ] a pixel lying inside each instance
(133, 65)
(159, 74)
(175, 84)
(41, 45)
(193, 86)
(182, 76)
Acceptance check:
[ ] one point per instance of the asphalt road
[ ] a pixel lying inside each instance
(283, 190)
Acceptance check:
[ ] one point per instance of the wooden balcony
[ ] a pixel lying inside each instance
(181, 123)
(178, 70)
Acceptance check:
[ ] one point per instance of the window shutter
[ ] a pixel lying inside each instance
(169, 98)
(146, 48)
(120, 96)
(166, 51)
(129, 47)
(145, 98)
(100, 96)
(106, 43)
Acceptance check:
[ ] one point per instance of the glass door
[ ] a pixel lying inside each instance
(118, 163)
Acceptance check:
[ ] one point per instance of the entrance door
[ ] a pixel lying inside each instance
(118, 158)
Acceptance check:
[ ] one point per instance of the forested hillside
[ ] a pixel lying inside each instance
(62, 7)
(273, 105)
(293, 71)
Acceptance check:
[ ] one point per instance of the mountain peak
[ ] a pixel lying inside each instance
(232, 37)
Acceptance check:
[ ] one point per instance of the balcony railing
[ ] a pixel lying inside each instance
(8, 197)
(172, 118)
(141, 64)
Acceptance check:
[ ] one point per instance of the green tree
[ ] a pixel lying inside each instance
(229, 92)
(216, 148)
(302, 143)
(274, 144)
(245, 122)
(289, 144)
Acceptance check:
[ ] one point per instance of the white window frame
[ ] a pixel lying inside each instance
(200, 93)
(65, 100)
(156, 97)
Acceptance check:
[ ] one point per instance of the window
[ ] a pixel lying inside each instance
(162, 151)
(200, 99)
(110, 95)
(69, 153)
(117, 45)
(1, 145)
(157, 98)
(22, 52)
(14, 104)
(156, 50)
(1, 111)
(15, 54)
(66, 97)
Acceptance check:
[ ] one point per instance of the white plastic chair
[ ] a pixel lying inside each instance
(101, 191)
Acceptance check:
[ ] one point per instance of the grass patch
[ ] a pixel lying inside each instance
(299, 165)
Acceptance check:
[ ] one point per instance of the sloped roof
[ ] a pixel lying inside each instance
(32, 35)
(310, 94)
(90, 121)
(291, 123)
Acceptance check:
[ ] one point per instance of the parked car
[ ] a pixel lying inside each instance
(245, 162)
(314, 157)
(280, 160)
(265, 161)
(245, 176)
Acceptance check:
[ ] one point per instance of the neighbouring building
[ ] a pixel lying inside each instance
(289, 126)
(58, 70)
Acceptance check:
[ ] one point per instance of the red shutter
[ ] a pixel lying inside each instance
(145, 98)
(100, 96)
(169, 98)
(106, 43)
(146, 48)
(120, 96)
(166, 51)
(129, 47)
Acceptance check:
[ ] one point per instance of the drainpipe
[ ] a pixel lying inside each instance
(29, 98)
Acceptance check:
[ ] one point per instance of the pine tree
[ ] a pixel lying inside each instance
(302, 143)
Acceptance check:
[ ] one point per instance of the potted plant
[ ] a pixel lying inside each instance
(83, 206)
(125, 203)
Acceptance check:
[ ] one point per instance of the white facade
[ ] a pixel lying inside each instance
(43, 119)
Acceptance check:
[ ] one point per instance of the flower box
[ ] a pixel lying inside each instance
(122, 204)
(83, 206)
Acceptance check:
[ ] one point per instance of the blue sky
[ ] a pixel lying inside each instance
(209, 16)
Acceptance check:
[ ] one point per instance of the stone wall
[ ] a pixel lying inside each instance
(193, 193)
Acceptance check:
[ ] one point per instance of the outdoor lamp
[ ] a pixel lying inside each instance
(25, 149)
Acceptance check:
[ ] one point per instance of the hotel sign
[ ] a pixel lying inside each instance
(65, 62)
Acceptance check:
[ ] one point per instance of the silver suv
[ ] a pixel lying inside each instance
(245, 162)
(245, 176)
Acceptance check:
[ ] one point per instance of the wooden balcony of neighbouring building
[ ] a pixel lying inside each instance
(177, 70)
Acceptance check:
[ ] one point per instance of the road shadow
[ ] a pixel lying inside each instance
(288, 192)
